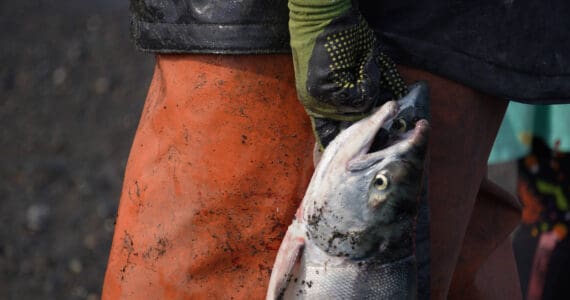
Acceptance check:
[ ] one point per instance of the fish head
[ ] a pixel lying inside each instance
(364, 194)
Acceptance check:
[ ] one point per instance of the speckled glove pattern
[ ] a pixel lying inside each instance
(340, 72)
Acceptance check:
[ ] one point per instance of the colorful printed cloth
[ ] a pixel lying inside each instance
(523, 121)
(544, 189)
(538, 137)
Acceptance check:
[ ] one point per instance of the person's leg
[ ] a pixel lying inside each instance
(464, 124)
(497, 279)
(219, 164)
(495, 215)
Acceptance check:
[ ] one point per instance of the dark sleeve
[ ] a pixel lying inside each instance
(210, 26)
(517, 50)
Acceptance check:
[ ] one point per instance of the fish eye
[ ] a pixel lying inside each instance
(380, 182)
(399, 125)
(403, 125)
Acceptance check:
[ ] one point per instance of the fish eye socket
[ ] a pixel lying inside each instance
(380, 182)
(403, 125)
(399, 125)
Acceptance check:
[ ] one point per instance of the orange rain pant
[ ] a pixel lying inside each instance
(468, 235)
(219, 164)
(221, 160)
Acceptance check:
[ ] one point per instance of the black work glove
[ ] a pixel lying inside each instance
(340, 72)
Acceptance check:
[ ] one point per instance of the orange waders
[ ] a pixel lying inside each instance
(219, 164)
(470, 218)
(222, 157)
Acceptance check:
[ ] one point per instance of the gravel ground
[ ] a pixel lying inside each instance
(72, 89)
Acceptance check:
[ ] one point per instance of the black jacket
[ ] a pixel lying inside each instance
(211, 26)
(515, 49)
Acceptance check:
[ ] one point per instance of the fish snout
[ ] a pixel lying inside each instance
(420, 133)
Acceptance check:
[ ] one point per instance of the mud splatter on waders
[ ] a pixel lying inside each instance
(219, 164)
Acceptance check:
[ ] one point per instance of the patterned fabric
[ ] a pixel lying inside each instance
(522, 121)
(544, 189)
(538, 136)
(348, 49)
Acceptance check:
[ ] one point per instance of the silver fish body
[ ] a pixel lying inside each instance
(322, 276)
(353, 235)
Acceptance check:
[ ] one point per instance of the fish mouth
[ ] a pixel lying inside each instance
(412, 137)
(398, 144)
(411, 108)
(368, 140)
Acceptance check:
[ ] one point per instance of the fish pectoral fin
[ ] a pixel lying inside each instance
(286, 263)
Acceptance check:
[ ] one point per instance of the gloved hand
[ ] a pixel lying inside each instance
(340, 72)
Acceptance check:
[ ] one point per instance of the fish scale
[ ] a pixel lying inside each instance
(354, 281)
(353, 235)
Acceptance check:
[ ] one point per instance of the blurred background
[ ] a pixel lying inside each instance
(72, 87)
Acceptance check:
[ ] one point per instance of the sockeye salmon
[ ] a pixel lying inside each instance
(353, 234)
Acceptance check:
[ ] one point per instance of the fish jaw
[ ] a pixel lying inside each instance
(349, 144)
(344, 215)
(323, 255)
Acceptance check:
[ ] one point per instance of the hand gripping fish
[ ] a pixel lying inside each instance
(353, 235)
